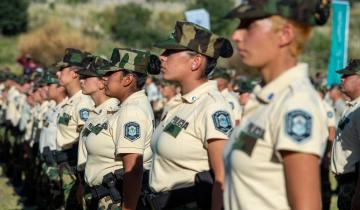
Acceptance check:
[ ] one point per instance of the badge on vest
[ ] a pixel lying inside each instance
(84, 114)
(132, 131)
(64, 119)
(298, 125)
(222, 121)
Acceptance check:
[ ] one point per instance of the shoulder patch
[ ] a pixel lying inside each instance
(222, 121)
(330, 114)
(298, 125)
(84, 114)
(132, 131)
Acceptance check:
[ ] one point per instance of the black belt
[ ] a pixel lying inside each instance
(69, 155)
(171, 199)
(346, 178)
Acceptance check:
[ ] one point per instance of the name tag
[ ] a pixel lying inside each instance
(172, 129)
(65, 119)
(247, 139)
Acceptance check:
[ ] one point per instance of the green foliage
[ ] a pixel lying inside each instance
(8, 51)
(13, 16)
(76, 1)
(217, 9)
(131, 26)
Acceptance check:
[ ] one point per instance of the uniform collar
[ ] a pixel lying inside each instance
(353, 102)
(195, 94)
(71, 99)
(225, 91)
(64, 101)
(268, 92)
(109, 103)
(136, 95)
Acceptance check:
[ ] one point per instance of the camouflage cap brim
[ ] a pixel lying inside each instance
(102, 72)
(88, 73)
(61, 65)
(170, 44)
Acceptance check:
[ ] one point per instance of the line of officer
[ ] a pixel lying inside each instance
(190, 138)
(346, 148)
(272, 159)
(71, 119)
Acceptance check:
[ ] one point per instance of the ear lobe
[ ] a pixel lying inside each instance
(127, 80)
(196, 62)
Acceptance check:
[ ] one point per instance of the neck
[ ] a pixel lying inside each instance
(60, 97)
(126, 95)
(99, 97)
(188, 85)
(73, 88)
(170, 97)
(274, 69)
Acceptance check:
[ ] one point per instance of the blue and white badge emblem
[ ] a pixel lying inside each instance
(132, 131)
(298, 125)
(84, 114)
(222, 121)
(330, 114)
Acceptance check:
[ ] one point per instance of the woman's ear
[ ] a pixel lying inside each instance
(287, 35)
(127, 80)
(198, 60)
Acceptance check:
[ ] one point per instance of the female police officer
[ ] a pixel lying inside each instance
(191, 135)
(121, 139)
(272, 161)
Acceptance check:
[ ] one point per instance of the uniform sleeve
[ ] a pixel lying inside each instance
(83, 109)
(330, 114)
(218, 122)
(131, 127)
(302, 127)
(82, 153)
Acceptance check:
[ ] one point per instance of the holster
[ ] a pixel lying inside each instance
(69, 155)
(199, 193)
(111, 186)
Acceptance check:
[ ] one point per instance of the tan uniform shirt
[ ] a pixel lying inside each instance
(49, 130)
(13, 106)
(234, 103)
(346, 147)
(330, 113)
(286, 114)
(98, 120)
(127, 131)
(181, 139)
(71, 118)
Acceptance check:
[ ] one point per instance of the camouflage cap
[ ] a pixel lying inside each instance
(352, 69)
(244, 86)
(220, 73)
(189, 36)
(133, 60)
(98, 64)
(74, 57)
(48, 79)
(309, 12)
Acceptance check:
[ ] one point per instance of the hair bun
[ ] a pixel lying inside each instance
(226, 49)
(154, 65)
(322, 12)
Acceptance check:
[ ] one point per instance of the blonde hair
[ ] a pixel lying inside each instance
(302, 33)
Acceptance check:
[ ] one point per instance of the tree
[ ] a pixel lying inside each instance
(13, 16)
(130, 25)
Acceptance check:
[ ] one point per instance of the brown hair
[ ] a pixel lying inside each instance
(302, 33)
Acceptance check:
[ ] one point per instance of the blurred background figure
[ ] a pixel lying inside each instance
(28, 64)
(338, 101)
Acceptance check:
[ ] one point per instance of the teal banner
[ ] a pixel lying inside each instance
(339, 40)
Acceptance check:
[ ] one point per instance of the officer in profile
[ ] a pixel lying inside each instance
(189, 140)
(223, 80)
(346, 147)
(71, 119)
(272, 159)
(118, 145)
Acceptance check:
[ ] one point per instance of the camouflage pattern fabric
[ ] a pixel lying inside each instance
(48, 79)
(315, 12)
(346, 193)
(74, 57)
(68, 185)
(132, 60)
(97, 64)
(189, 36)
(352, 68)
(106, 203)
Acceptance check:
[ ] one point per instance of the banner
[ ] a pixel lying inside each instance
(339, 40)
